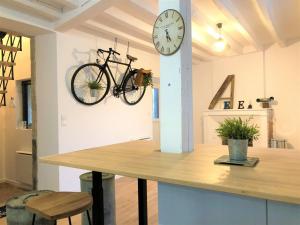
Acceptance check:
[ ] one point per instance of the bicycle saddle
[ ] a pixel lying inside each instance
(131, 58)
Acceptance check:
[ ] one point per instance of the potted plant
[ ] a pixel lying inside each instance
(238, 132)
(94, 88)
(147, 81)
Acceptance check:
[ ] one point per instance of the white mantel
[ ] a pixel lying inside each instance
(261, 117)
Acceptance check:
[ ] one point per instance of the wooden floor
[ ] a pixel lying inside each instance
(126, 204)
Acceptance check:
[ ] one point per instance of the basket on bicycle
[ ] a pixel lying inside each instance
(143, 78)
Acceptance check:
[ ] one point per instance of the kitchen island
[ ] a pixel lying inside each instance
(193, 190)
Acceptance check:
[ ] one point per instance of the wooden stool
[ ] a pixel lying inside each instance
(59, 205)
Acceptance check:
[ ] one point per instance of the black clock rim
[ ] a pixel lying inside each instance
(182, 37)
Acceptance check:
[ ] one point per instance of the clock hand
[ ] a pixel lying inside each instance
(168, 36)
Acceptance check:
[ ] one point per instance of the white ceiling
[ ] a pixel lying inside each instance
(248, 25)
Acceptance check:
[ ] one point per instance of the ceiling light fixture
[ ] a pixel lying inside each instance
(220, 44)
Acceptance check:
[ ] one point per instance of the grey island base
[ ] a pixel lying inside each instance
(180, 205)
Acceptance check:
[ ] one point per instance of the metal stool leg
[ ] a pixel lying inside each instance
(98, 205)
(142, 202)
(33, 219)
(70, 222)
(88, 216)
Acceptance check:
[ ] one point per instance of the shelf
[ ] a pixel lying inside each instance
(238, 112)
(24, 152)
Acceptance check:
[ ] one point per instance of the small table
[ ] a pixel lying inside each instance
(144, 161)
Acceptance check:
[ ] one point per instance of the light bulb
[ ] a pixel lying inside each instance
(220, 45)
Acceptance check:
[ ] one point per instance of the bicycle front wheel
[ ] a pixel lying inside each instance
(85, 75)
(132, 93)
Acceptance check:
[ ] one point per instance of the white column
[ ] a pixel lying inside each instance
(176, 108)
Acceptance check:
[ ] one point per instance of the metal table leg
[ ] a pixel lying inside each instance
(142, 196)
(98, 206)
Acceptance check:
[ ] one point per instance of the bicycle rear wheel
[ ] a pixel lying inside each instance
(83, 76)
(132, 93)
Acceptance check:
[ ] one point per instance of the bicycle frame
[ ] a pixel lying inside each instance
(107, 68)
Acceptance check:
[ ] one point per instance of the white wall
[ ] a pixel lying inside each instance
(202, 90)
(14, 139)
(110, 121)
(282, 82)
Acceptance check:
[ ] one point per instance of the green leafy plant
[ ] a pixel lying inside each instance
(236, 128)
(94, 85)
(147, 79)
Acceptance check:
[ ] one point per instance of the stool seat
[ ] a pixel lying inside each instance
(58, 205)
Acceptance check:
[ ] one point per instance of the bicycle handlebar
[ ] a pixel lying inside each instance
(113, 51)
(110, 50)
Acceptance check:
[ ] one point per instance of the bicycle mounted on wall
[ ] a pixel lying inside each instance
(91, 82)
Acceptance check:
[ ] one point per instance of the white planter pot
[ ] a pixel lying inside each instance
(94, 92)
(237, 149)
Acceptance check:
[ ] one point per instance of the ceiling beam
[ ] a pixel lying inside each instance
(135, 7)
(24, 24)
(110, 33)
(96, 30)
(204, 48)
(139, 12)
(197, 58)
(201, 55)
(203, 21)
(88, 10)
(124, 26)
(229, 9)
(266, 9)
(34, 8)
(67, 4)
(150, 5)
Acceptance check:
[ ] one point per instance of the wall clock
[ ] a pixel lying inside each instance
(168, 32)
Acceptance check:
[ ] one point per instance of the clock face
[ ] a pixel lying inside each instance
(168, 32)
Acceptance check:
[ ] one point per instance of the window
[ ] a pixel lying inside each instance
(155, 103)
(26, 99)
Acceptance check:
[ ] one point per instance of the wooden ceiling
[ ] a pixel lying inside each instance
(248, 25)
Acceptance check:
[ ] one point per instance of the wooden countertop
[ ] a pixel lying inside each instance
(276, 176)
